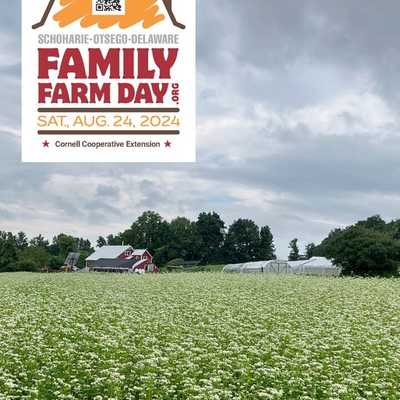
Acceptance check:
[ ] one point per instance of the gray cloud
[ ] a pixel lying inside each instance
(111, 192)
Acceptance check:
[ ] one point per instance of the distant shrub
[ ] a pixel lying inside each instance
(27, 266)
(176, 262)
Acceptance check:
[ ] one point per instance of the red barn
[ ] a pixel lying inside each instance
(121, 259)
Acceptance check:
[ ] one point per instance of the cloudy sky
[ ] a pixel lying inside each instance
(298, 128)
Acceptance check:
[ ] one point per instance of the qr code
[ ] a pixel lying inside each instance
(109, 7)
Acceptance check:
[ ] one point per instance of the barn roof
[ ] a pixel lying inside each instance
(139, 252)
(108, 252)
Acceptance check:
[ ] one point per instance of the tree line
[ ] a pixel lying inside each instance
(18, 253)
(369, 248)
(206, 240)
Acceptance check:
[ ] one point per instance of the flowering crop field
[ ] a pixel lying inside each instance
(198, 336)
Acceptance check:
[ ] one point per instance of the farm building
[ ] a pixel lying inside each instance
(276, 266)
(232, 268)
(120, 259)
(313, 266)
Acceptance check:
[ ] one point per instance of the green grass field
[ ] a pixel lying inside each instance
(198, 336)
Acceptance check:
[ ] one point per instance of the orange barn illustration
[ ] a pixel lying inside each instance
(145, 11)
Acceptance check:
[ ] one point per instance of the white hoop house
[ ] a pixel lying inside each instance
(320, 266)
(270, 266)
(232, 268)
(315, 266)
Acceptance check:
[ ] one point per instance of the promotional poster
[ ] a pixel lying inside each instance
(108, 81)
(199, 200)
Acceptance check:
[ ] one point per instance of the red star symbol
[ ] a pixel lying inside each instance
(167, 143)
(46, 143)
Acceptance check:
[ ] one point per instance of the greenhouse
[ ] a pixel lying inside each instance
(316, 266)
(253, 267)
(232, 268)
(272, 266)
(320, 266)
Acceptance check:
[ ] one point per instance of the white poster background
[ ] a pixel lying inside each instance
(181, 147)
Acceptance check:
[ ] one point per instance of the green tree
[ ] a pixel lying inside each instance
(325, 247)
(8, 252)
(113, 240)
(211, 233)
(375, 223)
(243, 241)
(82, 258)
(63, 244)
(184, 240)
(101, 242)
(27, 265)
(267, 247)
(84, 245)
(149, 231)
(161, 256)
(366, 252)
(56, 262)
(21, 241)
(310, 250)
(294, 254)
(39, 241)
(32, 258)
(396, 232)
(367, 248)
